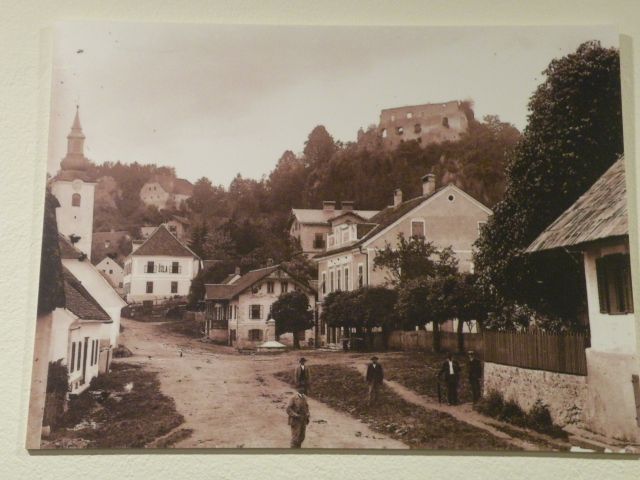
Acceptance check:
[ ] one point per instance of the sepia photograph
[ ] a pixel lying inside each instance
(335, 238)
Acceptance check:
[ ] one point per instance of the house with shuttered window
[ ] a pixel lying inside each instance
(242, 306)
(597, 226)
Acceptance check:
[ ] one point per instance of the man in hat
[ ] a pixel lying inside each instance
(450, 371)
(374, 379)
(301, 376)
(298, 412)
(475, 374)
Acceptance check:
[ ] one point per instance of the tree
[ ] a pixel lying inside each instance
(51, 288)
(292, 314)
(198, 239)
(319, 147)
(415, 258)
(470, 304)
(574, 134)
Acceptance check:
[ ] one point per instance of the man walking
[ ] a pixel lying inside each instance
(301, 376)
(450, 371)
(374, 380)
(298, 412)
(475, 374)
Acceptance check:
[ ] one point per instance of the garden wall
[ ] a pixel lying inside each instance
(423, 340)
(565, 395)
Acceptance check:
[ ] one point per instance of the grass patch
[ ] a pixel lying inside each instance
(125, 419)
(522, 435)
(344, 389)
(418, 371)
(187, 328)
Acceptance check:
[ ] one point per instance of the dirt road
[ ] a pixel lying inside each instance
(231, 400)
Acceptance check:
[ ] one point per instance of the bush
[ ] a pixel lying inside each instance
(513, 413)
(539, 419)
(491, 404)
(121, 352)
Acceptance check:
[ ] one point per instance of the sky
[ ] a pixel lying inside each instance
(215, 101)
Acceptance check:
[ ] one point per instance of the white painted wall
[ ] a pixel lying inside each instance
(137, 278)
(112, 270)
(75, 220)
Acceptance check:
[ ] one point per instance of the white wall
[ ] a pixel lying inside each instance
(75, 220)
(138, 279)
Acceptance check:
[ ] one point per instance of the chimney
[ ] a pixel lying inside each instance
(397, 197)
(269, 262)
(428, 184)
(347, 205)
(328, 206)
(237, 272)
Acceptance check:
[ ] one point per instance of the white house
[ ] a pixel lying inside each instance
(597, 225)
(75, 191)
(113, 271)
(161, 267)
(164, 191)
(243, 304)
(91, 279)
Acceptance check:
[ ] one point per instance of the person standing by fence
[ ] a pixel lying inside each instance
(475, 374)
(450, 371)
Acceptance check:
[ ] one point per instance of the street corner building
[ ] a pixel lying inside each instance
(159, 268)
(597, 225)
(238, 311)
(446, 216)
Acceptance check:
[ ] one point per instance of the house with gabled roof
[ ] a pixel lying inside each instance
(242, 306)
(164, 191)
(597, 225)
(162, 267)
(446, 216)
(310, 227)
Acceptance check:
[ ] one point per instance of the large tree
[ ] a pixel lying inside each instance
(574, 133)
(292, 314)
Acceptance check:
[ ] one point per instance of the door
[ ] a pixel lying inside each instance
(84, 359)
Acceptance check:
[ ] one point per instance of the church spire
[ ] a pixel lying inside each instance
(75, 161)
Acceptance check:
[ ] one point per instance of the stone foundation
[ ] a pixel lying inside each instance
(565, 395)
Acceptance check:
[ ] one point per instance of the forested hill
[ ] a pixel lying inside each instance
(248, 219)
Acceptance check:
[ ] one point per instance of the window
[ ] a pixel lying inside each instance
(345, 235)
(417, 229)
(232, 335)
(93, 351)
(175, 267)
(324, 283)
(384, 133)
(255, 312)
(346, 278)
(97, 351)
(445, 122)
(451, 198)
(75, 200)
(409, 115)
(149, 287)
(255, 335)
(110, 272)
(72, 363)
(399, 130)
(331, 281)
(174, 287)
(318, 241)
(284, 287)
(481, 226)
(79, 355)
(339, 279)
(360, 276)
(150, 267)
(614, 284)
(417, 128)
(270, 287)
(107, 244)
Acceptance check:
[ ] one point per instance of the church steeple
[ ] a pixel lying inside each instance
(74, 164)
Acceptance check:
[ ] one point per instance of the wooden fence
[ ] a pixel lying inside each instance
(423, 341)
(562, 353)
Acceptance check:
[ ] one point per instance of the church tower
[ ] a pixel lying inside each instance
(75, 191)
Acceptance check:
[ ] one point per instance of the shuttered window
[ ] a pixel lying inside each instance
(614, 284)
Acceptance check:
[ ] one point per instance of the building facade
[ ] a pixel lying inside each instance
(243, 306)
(112, 271)
(446, 217)
(165, 192)
(160, 268)
(597, 226)
(427, 123)
(310, 227)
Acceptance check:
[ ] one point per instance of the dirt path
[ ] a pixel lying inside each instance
(232, 401)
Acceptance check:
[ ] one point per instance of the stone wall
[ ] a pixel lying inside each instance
(565, 395)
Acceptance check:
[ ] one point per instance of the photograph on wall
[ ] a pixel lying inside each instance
(349, 238)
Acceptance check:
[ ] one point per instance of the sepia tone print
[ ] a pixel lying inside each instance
(336, 238)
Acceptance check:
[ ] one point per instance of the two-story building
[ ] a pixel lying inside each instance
(161, 267)
(311, 226)
(597, 225)
(243, 304)
(447, 217)
(165, 192)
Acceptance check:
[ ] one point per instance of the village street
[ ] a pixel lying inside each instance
(231, 400)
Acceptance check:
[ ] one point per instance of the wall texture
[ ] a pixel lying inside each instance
(565, 395)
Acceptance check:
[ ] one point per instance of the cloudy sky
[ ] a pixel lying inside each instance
(215, 101)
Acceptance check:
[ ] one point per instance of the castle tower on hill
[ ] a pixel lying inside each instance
(75, 190)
